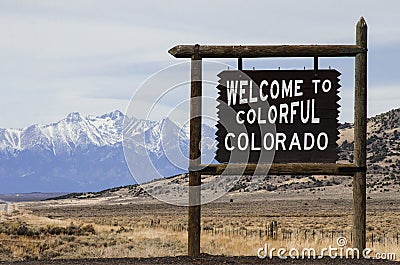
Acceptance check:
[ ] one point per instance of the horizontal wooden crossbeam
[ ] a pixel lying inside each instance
(278, 169)
(254, 51)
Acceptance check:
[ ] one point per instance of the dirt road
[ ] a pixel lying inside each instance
(204, 260)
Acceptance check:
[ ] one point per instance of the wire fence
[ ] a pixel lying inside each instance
(272, 231)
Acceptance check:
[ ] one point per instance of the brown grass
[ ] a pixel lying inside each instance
(136, 229)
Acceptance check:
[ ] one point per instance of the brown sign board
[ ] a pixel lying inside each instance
(278, 116)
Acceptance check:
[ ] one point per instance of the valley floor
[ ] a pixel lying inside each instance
(238, 224)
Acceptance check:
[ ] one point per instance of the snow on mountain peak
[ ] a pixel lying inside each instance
(74, 117)
(86, 153)
(116, 114)
(76, 131)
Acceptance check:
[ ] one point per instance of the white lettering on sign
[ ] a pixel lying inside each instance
(231, 90)
(279, 141)
(326, 85)
(285, 89)
(301, 105)
(286, 113)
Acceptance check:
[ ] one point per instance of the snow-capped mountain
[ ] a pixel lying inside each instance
(86, 153)
(66, 135)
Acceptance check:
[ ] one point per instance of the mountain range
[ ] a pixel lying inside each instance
(87, 154)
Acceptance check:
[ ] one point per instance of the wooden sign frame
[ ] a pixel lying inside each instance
(357, 169)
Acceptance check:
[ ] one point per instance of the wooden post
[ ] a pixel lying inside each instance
(316, 66)
(360, 136)
(240, 64)
(195, 155)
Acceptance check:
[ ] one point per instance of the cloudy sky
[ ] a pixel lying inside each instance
(90, 56)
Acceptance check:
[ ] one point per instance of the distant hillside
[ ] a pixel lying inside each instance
(383, 146)
(383, 174)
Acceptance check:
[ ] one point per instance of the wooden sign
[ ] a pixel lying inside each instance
(297, 87)
(284, 115)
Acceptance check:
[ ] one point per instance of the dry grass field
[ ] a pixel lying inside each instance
(237, 224)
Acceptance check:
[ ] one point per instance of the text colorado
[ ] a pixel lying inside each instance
(301, 105)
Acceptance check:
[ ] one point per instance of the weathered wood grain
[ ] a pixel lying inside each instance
(279, 169)
(195, 155)
(360, 137)
(254, 51)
